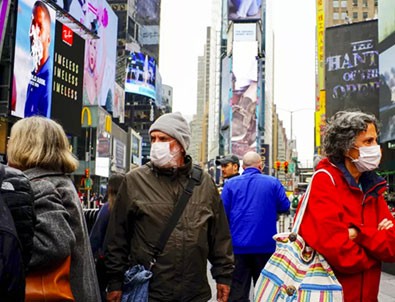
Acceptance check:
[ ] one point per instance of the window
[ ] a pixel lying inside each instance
(355, 16)
(335, 16)
(365, 15)
(354, 2)
(344, 3)
(335, 3)
(344, 16)
(365, 3)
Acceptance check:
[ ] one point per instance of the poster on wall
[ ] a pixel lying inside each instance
(100, 61)
(352, 68)
(68, 69)
(244, 98)
(33, 67)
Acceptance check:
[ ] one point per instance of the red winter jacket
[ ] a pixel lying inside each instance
(331, 210)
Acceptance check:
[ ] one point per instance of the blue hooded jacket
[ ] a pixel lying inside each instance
(252, 202)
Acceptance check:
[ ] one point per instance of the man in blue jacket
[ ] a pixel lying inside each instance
(252, 202)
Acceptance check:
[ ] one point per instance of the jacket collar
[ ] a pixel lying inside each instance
(369, 180)
(37, 172)
(251, 170)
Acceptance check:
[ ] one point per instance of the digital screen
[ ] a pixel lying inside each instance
(387, 95)
(33, 61)
(4, 8)
(68, 78)
(100, 61)
(141, 74)
(239, 10)
(244, 99)
(352, 68)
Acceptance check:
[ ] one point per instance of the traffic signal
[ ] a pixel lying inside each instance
(87, 172)
(285, 167)
(277, 165)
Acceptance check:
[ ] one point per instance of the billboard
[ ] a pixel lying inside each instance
(387, 69)
(68, 69)
(33, 60)
(141, 75)
(244, 97)
(100, 60)
(226, 93)
(239, 10)
(148, 18)
(4, 8)
(352, 68)
(118, 107)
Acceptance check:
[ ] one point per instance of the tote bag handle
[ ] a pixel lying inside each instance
(303, 206)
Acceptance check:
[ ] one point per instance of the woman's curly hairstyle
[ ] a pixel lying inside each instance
(342, 130)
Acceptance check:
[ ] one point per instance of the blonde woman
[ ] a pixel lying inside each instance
(39, 147)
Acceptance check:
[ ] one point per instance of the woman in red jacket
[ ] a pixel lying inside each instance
(348, 221)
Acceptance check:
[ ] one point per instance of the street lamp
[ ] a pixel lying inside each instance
(291, 116)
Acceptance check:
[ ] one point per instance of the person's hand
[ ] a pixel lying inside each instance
(352, 233)
(223, 291)
(114, 296)
(385, 224)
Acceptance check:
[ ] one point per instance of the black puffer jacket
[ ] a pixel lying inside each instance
(18, 195)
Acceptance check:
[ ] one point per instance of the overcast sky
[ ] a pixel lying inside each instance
(182, 38)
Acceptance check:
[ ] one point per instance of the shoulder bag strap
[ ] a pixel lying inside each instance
(181, 204)
(303, 206)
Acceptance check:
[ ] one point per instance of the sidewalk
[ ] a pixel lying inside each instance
(387, 288)
(386, 293)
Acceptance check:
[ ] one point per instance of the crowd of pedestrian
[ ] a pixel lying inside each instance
(43, 227)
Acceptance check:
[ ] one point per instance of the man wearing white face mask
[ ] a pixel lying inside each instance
(144, 203)
(347, 219)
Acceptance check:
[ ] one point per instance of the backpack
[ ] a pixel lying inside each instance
(12, 273)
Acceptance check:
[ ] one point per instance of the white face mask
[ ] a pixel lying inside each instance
(161, 156)
(369, 158)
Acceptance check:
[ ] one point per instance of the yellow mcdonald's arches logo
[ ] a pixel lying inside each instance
(88, 115)
(107, 125)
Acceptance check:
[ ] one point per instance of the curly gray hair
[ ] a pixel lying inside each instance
(342, 130)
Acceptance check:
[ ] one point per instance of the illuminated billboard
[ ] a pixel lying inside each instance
(244, 10)
(100, 61)
(4, 8)
(244, 97)
(352, 68)
(141, 75)
(33, 60)
(68, 69)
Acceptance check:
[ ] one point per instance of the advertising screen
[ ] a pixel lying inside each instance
(226, 92)
(386, 15)
(148, 17)
(67, 78)
(100, 61)
(33, 61)
(244, 97)
(4, 7)
(352, 68)
(244, 10)
(387, 95)
(118, 107)
(141, 74)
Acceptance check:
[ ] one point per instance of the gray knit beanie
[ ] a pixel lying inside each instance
(175, 125)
